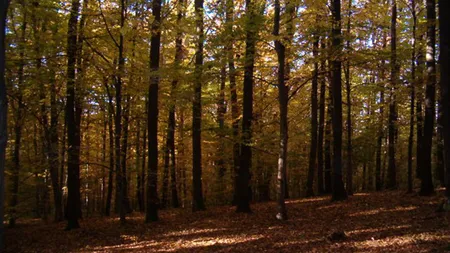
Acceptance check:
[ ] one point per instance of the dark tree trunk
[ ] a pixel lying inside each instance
(283, 104)
(244, 176)
(338, 191)
(152, 116)
(440, 167)
(349, 108)
(197, 197)
(391, 181)
(413, 97)
(327, 146)
(313, 144)
(126, 122)
(426, 186)
(419, 111)
(143, 168)
(73, 209)
(18, 124)
(444, 35)
(320, 182)
(3, 114)
(111, 153)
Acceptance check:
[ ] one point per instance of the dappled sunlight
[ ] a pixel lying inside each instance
(401, 240)
(187, 232)
(383, 210)
(308, 200)
(377, 230)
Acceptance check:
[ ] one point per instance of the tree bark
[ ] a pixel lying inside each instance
(391, 181)
(444, 32)
(349, 108)
(320, 160)
(426, 186)
(197, 197)
(283, 104)
(73, 209)
(338, 191)
(244, 176)
(412, 97)
(152, 116)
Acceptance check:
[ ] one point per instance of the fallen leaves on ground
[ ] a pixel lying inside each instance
(376, 222)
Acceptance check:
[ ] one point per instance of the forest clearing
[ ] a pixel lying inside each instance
(372, 222)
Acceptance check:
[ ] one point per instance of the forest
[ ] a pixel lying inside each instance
(224, 126)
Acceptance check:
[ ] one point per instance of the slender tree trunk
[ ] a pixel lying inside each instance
(197, 197)
(18, 123)
(73, 209)
(320, 182)
(349, 107)
(444, 35)
(126, 122)
(413, 96)
(4, 4)
(313, 144)
(221, 110)
(391, 182)
(244, 176)
(143, 168)
(426, 186)
(152, 116)
(283, 104)
(338, 191)
(229, 22)
(327, 146)
(111, 154)
(419, 111)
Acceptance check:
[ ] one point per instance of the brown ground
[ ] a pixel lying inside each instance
(376, 222)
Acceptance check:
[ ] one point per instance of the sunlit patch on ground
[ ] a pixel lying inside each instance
(376, 222)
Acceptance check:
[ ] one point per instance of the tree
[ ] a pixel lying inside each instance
(426, 186)
(283, 104)
(244, 176)
(4, 4)
(320, 160)
(73, 209)
(444, 35)
(349, 106)
(313, 144)
(391, 182)
(339, 192)
(197, 204)
(152, 115)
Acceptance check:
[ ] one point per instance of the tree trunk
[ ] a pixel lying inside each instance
(126, 122)
(244, 176)
(426, 186)
(111, 153)
(3, 114)
(327, 146)
(444, 32)
(349, 108)
(221, 110)
(283, 104)
(391, 181)
(338, 191)
(152, 116)
(320, 178)
(18, 124)
(197, 197)
(73, 209)
(313, 144)
(413, 96)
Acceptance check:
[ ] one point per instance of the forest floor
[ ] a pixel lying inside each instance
(375, 222)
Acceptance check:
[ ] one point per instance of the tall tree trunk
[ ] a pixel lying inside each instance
(197, 197)
(144, 155)
(18, 123)
(221, 110)
(426, 186)
(283, 104)
(244, 176)
(338, 191)
(391, 181)
(229, 22)
(444, 32)
(349, 108)
(152, 116)
(73, 209)
(419, 111)
(327, 146)
(111, 152)
(313, 144)
(126, 122)
(4, 4)
(320, 160)
(413, 96)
